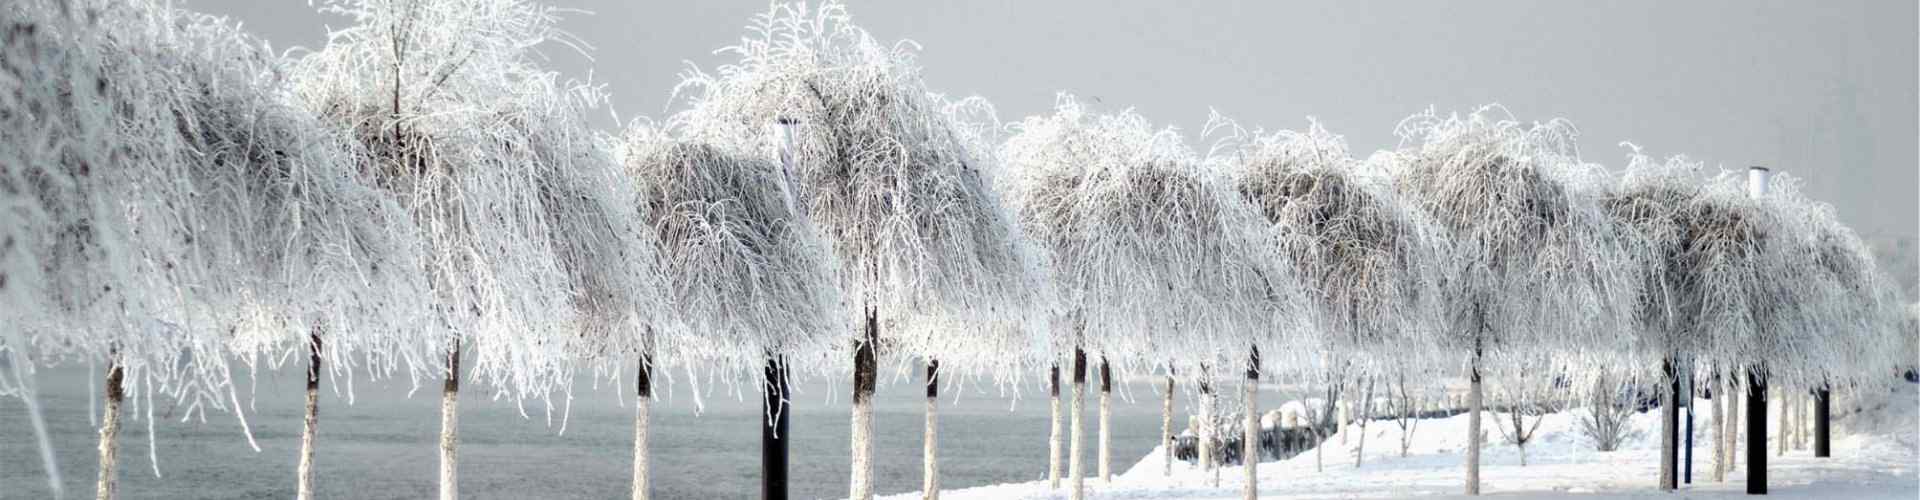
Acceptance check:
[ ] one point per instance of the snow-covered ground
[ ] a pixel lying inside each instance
(1875, 455)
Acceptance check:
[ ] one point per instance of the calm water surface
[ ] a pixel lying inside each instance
(384, 445)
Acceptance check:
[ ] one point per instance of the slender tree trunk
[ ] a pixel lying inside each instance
(1106, 422)
(1783, 425)
(1756, 432)
(1054, 436)
(773, 432)
(1319, 438)
(1800, 407)
(1798, 417)
(1361, 417)
(311, 429)
(1720, 397)
(107, 487)
(930, 486)
(1409, 418)
(865, 361)
(1800, 410)
(1219, 463)
(1250, 433)
(1075, 473)
(1346, 422)
(1733, 421)
(1790, 411)
(1166, 427)
(1473, 429)
(1669, 427)
(450, 427)
(642, 413)
(1206, 423)
(1823, 422)
(1800, 420)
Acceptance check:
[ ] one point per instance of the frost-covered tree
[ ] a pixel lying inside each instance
(1715, 266)
(1607, 418)
(1408, 398)
(749, 277)
(606, 247)
(326, 263)
(1861, 339)
(1156, 260)
(1849, 306)
(1649, 203)
(897, 180)
(531, 263)
(1373, 263)
(1778, 288)
(113, 251)
(62, 246)
(1529, 393)
(1537, 264)
(256, 227)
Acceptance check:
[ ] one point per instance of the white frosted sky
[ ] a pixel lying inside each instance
(1822, 90)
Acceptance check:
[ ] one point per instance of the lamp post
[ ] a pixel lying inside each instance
(1823, 421)
(1757, 381)
(774, 403)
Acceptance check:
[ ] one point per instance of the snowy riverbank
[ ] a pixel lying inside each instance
(1876, 454)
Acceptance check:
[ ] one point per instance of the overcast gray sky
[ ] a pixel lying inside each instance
(1823, 90)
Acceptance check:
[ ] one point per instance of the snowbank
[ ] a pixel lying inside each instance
(1876, 452)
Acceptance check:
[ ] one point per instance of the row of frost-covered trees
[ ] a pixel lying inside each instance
(420, 200)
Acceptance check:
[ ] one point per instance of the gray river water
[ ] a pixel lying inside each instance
(384, 445)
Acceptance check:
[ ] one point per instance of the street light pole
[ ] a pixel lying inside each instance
(1757, 381)
(774, 403)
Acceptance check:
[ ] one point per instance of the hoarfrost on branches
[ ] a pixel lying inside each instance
(746, 272)
(1373, 262)
(1156, 260)
(1538, 266)
(516, 206)
(897, 179)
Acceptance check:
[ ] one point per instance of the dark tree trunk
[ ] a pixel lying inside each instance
(1756, 432)
(865, 360)
(773, 433)
(1823, 422)
(933, 379)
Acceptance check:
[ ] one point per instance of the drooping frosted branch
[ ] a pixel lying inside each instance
(896, 178)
